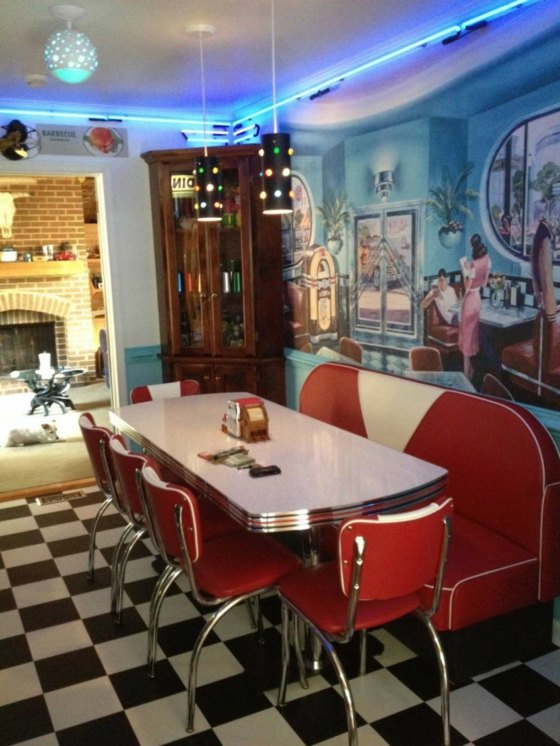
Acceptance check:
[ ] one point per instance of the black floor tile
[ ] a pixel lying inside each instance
(522, 733)
(134, 687)
(14, 651)
(20, 540)
(180, 637)
(24, 720)
(56, 518)
(72, 545)
(48, 614)
(103, 628)
(229, 699)
(67, 669)
(419, 675)
(15, 511)
(113, 729)
(523, 689)
(318, 716)
(7, 600)
(415, 725)
(79, 582)
(22, 574)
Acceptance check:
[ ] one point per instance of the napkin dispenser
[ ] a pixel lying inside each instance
(247, 419)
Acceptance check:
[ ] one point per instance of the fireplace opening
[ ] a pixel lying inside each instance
(20, 345)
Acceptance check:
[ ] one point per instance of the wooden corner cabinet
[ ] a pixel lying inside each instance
(219, 284)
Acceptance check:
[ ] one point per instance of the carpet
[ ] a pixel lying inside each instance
(65, 460)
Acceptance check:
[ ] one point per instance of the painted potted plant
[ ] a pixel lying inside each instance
(448, 203)
(336, 217)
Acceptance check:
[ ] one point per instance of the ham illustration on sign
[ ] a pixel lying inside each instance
(103, 141)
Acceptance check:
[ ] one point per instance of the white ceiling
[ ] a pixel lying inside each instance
(148, 62)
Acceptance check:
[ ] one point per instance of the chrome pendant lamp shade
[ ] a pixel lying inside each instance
(69, 55)
(276, 153)
(208, 177)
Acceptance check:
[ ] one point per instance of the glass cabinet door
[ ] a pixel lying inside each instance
(231, 270)
(190, 265)
(213, 273)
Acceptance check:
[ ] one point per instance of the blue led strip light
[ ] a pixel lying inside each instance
(454, 30)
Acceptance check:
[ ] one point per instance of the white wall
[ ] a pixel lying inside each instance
(127, 243)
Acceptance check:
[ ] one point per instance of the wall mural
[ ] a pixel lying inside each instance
(470, 268)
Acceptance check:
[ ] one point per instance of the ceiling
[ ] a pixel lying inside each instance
(148, 62)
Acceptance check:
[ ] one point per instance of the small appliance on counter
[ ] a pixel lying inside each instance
(8, 254)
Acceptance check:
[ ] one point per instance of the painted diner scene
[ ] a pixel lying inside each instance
(280, 373)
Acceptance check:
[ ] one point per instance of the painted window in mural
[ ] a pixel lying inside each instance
(298, 228)
(386, 256)
(524, 183)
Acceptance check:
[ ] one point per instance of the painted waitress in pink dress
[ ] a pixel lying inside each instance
(475, 276)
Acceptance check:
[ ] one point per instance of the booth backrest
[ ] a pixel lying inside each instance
(504, 468)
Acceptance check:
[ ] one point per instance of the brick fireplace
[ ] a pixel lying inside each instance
(51, 212)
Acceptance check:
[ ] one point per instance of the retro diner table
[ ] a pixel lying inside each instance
(327, 474)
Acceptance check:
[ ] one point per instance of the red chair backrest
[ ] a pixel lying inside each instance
(93, 435)
(403, 551)
(161, 499)
(169, 390)
(126, 463)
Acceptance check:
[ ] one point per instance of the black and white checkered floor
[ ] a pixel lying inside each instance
(69, 675)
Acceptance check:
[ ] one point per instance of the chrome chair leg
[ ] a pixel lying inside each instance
(345, 686)
(139, 533)
(363, 651)
(92, 535)
(199, 644)
(443, 677)
(164, 582)
(281, 699)
(115, 564)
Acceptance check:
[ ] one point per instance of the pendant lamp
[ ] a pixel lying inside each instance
(69, 55)
(208, 177)
(276, 153)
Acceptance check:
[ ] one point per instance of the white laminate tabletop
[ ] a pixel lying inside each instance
(327, 473)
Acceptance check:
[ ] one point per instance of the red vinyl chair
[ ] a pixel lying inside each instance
(215, 523)
(222, 572)
(141, 394)
(384, 569)
(95, 437)
(124, 465)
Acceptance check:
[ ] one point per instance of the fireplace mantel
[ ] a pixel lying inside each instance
(41, 269)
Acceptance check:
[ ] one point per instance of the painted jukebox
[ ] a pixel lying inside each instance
(320, 279)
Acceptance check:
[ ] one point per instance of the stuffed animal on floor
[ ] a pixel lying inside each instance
(43, 432)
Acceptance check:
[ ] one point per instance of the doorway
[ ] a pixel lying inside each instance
(89, 243)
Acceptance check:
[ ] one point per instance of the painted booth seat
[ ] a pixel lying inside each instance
(503, 569)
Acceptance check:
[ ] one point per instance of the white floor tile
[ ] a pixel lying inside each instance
(19, 682)
(10, 625)
(215, 663)
(57, 640)
(549, 722)
(548, 665)
(18, 525)
(379, 694)
(23, 556)
(41, 592)
(163, 721)
(491, 713)
(127, 652)
(263, 727)
(86, 701)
